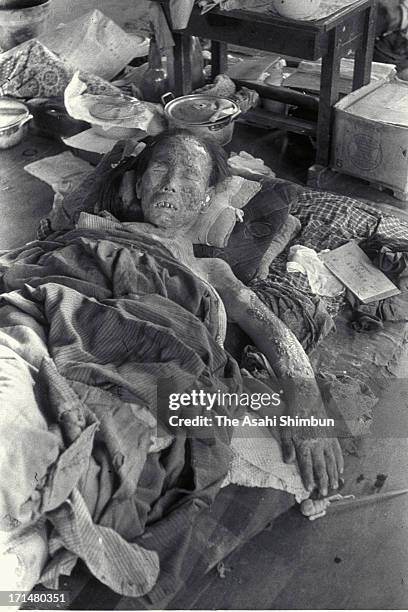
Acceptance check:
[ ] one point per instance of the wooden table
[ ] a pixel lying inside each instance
(351, 29)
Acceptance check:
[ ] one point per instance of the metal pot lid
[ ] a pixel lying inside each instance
(201, 109)
(12, 112)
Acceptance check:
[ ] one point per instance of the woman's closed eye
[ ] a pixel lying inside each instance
(190, 175)
(158, 167)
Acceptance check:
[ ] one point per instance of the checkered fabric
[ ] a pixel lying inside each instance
(394, 232)
(328, 221)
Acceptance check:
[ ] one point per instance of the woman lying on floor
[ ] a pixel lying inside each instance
(91, 320)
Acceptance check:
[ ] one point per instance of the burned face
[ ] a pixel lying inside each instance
(175, 186)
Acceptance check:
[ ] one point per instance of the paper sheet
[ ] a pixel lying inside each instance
(63, 172)
(95, 143)
(90, 141)
(96, 44)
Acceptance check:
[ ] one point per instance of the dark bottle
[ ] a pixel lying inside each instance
(154, 82)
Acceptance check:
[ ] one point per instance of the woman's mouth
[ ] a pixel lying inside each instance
(165, 204)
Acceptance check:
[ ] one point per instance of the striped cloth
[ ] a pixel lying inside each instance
(120, 313)
(125, 567)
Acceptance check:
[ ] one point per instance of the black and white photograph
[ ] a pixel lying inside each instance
(203, 305)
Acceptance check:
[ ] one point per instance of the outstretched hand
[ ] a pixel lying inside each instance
(320, 460)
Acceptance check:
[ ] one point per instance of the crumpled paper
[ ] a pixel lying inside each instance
(96, 44)
(113, 111)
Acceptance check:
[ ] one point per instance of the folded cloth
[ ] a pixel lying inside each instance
(390, 259)
(369, 317)
(23, 68)
(257, 461)
(30, 70)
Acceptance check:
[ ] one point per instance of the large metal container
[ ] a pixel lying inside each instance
(20, 24)
(219, 131)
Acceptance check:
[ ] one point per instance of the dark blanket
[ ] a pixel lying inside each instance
(119, 313)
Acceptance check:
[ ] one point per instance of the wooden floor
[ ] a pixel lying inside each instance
(350, 559)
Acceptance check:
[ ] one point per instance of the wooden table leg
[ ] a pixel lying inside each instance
(182, 65)
(329, 95)
(219, 59)
(364, 52)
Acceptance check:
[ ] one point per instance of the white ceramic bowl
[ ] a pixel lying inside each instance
(297, 9)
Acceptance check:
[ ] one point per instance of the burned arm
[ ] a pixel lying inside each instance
(284, 352)
(268, 332)
(319, 455)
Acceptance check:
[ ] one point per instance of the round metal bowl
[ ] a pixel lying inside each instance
(20, 24)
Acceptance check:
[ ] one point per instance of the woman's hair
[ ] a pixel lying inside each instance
(109, 191)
